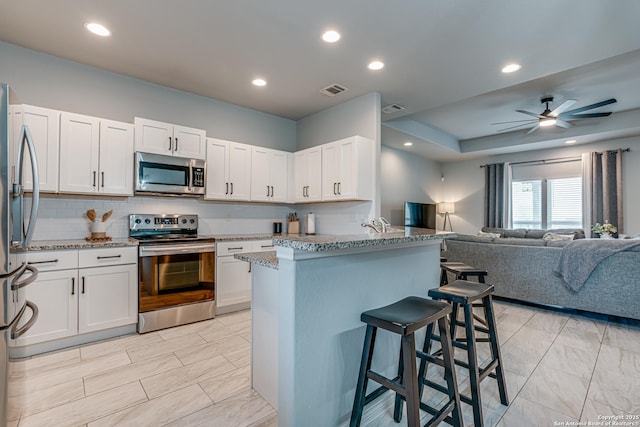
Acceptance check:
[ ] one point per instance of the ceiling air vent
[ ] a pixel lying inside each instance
(392, 108)
(333, 90)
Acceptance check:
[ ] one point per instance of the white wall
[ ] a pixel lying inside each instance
(464, 182)
(407, 178)
(360, 116)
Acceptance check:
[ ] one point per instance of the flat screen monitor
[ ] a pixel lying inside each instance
(422, 215)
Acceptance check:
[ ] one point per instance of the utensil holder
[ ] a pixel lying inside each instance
(293, 227)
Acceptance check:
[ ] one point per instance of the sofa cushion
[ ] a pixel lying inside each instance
(519, 241)
(492, 235)
(519, 233)
(476, 239)
(535, 234)
(558, 243)
(496, 230)
(577, 232)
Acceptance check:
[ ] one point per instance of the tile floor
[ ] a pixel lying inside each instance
(559, 368)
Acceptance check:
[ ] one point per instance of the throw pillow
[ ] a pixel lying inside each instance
(492, 235)
(554, 237)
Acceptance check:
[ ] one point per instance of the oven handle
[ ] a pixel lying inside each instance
(175, 249)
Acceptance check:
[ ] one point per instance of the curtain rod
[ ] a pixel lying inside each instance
(559, 159)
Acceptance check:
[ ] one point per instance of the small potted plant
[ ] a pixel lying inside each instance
(604, 230)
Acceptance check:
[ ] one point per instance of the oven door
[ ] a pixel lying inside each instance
(175, 274)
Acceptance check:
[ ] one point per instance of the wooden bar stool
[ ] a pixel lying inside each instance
(463, 293)
(461, 271)
(404, 318)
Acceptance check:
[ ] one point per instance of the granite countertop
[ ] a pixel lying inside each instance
(266, 259)
(56, 245)
(241, 237)
(327, 242)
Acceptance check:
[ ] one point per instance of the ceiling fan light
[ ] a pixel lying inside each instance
(547, 122)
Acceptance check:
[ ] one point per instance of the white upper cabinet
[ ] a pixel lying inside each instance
(269, 175)
(348, 169)
(168, 139)
(96, 156)
(44, 128)
(228, 170)
(308, 175)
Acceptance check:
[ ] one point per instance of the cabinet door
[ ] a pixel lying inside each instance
(116, 158)
(240, 171)
(44, 128)
(188, 142)
(108, 297)
(260, 180)
(233, 281)
(153, 137)
(278, 175)
(217, 169)
(347, 169)
(301, 175)
(330, 171)
(314, 182)
(56, 295)
(79, 151)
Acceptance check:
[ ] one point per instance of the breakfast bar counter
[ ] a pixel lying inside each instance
(306, 331)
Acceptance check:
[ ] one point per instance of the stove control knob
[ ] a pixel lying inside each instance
(192, 221)
(147, 221)
(184, 221)
(138, 221)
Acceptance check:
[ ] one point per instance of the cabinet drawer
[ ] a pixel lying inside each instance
(53, 260)
(263, 246)
(230, 248)
(107, 256)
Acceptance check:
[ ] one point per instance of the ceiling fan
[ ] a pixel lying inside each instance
(560, 116)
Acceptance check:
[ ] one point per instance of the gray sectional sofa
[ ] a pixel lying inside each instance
(521, 268)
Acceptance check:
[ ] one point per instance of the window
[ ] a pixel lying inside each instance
(547, 203)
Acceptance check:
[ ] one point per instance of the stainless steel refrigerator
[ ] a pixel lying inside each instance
(17, 314)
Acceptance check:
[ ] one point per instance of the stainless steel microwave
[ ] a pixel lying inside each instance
(156, 173)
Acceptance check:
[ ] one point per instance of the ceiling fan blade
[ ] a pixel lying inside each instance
(562, 107)
(586, 116)
(529, 113)
(533, 129)
(513, 121)
(590, 107)
(563, 124)
(513, 127)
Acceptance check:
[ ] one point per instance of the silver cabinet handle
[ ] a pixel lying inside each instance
(232, 188)
(83, 284)
(176, 146)
(334, 188)
(170, 145)
(227, 192)
(267, 191)
(52, 261)
(18, 332)
(109, 257)
(339, 190)
(73, 286)
(272, 191)
(266, 246)
(94, 178)
(236, 249)
(102, 184)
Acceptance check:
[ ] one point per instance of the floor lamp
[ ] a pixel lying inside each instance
(446, 208)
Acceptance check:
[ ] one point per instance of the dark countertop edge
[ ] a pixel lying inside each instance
(267, 259)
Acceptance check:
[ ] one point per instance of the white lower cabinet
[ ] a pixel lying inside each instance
(233, 276)
(81, 291)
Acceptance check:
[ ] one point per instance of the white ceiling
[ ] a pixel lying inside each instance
(443, 59)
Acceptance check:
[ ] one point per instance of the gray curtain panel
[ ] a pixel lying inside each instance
(606, 188)
(494, 195)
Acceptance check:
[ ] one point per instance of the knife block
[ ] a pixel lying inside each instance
(293, 227)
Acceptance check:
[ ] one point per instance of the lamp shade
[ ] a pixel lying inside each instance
(446, 207)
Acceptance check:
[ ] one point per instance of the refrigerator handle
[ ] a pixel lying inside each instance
(15, 285)
(18, 192)
(18, 332)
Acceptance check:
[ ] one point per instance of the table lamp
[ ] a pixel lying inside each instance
(446, 208)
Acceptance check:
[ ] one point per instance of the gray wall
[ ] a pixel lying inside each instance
(464, 182)
(406, 177)
(47, 81)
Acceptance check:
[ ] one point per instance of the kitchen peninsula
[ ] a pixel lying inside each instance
(306, 331)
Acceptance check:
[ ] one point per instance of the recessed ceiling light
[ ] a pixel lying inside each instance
(408, 144)
(259, 82)
(331, 36)
(97, 29)
(511, 68)
(376, 65)
(570, 141)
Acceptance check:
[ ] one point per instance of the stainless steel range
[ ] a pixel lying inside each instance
(176, 271)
